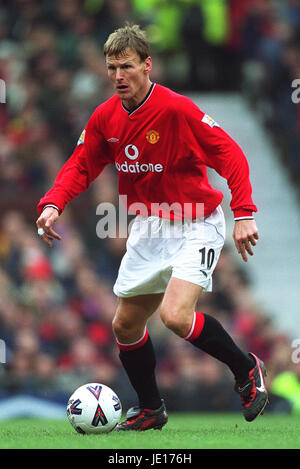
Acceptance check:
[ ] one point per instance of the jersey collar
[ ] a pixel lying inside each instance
(131, 111)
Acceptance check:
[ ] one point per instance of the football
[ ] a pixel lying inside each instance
(94, 408)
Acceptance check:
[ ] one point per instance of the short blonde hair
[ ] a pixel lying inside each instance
(128, 37)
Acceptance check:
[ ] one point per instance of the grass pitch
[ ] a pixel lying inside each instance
(183, 431)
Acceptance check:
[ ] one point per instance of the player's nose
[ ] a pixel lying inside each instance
(119, 74)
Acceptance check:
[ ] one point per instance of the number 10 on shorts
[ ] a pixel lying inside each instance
(207, 257)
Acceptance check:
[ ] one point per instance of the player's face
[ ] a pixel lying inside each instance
(130, 76)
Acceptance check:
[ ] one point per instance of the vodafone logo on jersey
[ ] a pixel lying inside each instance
(132, 153)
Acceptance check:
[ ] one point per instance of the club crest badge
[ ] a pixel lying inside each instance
(152, 136)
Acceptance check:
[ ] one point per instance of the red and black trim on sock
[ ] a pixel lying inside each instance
(208, 335)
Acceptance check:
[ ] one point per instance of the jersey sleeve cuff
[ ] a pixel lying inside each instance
(243, 214)
(50, 205)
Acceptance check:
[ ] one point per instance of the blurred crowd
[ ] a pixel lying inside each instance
(57, 304)
(271, 72)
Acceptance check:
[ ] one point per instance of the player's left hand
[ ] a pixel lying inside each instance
(245, 234)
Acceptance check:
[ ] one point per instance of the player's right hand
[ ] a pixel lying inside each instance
(45, 221)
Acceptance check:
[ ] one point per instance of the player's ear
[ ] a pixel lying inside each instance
(148, 65)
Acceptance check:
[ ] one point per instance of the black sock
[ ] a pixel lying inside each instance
(139, 365)
(215, 341)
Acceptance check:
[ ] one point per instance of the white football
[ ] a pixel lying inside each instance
(94, 408)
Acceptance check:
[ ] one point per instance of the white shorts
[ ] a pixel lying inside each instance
(158, 249)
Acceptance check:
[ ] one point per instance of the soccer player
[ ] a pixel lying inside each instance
(161, 144)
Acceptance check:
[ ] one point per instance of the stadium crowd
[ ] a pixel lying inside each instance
(271, 72)
(57, 305)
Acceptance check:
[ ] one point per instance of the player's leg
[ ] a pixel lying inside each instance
(135, 346)
(207, 334)
(192, 272)
(202, 330)
(138, 359)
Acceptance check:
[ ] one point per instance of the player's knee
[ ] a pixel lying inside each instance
(125, 329)
(121, 326)
(175, 320)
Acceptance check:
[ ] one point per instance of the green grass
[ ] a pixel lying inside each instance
(183, 431)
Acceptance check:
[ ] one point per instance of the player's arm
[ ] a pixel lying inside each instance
(223, 154)
(85, 164)
(231, 163)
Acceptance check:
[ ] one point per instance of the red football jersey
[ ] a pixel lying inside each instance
(161, 151)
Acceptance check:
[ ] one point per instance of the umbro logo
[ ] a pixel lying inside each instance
(112, 140)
